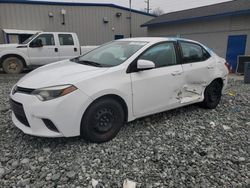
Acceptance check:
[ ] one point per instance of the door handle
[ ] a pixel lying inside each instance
(75, 49)
(210, 67)
(175, 73)
(56, 49)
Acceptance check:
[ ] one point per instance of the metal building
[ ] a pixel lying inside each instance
(94, 23)
(224, 27)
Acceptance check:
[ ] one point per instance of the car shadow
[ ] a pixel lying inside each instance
(24, 72)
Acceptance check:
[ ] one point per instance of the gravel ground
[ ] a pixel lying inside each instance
(186, 147)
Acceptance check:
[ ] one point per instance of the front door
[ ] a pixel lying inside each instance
(45, 54)
(157, 89)
(236, 46)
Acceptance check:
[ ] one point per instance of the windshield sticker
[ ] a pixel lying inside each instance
(123, 58)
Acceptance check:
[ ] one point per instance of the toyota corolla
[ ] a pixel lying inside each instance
(95, 94)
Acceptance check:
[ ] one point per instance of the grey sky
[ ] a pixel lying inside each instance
(166, 5)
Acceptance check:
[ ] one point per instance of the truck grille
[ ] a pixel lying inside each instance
(18, 110)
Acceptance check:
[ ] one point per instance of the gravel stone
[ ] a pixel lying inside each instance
(2, 171)
(48, 177)
(185, 147)
(212, 124)
(46, 150)
(56, 177)
(15, 164)
(25, 161)
(226, 127)
(71, 174)
(24, 182)
(242, 159)
(40, 159)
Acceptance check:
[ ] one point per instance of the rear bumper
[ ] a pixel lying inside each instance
(64, 112)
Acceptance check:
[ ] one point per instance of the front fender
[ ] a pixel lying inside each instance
(127, 99)
(15, 52)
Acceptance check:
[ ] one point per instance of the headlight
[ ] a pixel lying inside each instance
(48, 93)
(14, 90)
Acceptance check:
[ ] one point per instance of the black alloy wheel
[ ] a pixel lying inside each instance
(102, 120)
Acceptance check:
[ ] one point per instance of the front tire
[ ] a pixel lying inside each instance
(102, 120)
(12, 65)
(212, 95)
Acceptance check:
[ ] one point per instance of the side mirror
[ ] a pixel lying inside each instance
(37, 43)
(143, 64)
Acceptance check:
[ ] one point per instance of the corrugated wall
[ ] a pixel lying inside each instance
(87, 22)
(212, 33)
(1, 36)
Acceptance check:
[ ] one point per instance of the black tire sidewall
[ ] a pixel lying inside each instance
(207, 103)
(17, 60)
(86, 129)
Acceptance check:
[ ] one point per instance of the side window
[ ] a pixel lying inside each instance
(193, 52)
(47, 39)
(162, 54)
(66, 40)
(206, 55)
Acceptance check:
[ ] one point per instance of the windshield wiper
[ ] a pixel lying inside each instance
(76, 59)
(92, 63)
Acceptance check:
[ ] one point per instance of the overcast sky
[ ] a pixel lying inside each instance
(166, 5)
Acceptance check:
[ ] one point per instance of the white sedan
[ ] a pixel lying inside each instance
(95, 94)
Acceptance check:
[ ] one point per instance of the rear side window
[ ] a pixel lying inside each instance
(193, 52)
(162, 54)
(66, 39)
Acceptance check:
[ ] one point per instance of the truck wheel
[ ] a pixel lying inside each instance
(102, 120)
(212, 95)
(12, 65)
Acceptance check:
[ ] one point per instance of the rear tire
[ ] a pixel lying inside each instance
(102, 120)
(12, 65)
(212, 95)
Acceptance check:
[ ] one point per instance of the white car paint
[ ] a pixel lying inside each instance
(37, 56)
(144, 92)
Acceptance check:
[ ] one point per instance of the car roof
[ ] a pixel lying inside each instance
(157, 39)
(58, 32)
(163, 39)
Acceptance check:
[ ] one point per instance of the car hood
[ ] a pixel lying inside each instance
(9, 46)
(60, 73)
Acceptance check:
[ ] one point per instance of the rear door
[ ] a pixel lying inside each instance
(198, 67)
(157, 89)
(47, 53)
(68, 46)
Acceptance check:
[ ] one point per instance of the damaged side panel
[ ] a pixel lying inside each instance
(197, 76)
(192, 92)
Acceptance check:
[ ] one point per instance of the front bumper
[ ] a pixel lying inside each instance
(65, 112)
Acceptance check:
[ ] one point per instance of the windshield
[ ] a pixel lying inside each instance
(29, 39)
(111, 54)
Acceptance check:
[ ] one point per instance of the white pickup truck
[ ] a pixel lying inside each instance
(40, 49)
